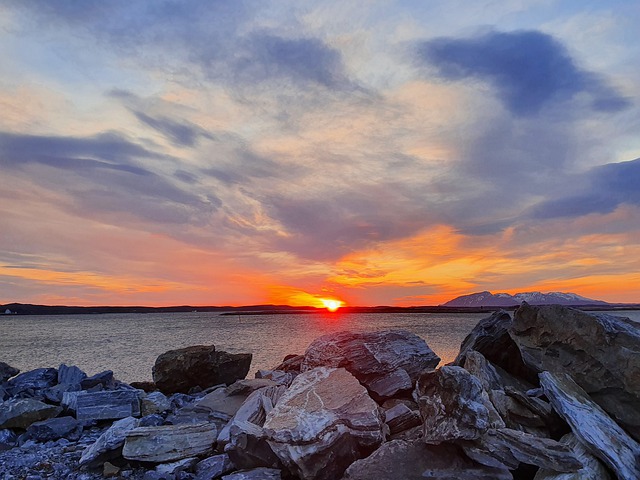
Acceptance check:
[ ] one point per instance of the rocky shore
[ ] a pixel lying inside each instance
(550, 394)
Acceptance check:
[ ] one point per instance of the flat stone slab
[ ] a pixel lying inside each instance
(103, 405)
(603, 437)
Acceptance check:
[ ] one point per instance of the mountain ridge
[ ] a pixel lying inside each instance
(488, 299)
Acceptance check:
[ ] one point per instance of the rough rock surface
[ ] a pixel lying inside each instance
(109, 444)
(103, 405)
(7, 371)
(38, 379)
(261, 473)
(198, 366)
(600, 352)
(595, 429)
(453, 405)
(55, 428)
(214, 467)
(322, 423)
(399, 459)
(491, 338)
(386, 362)
(591, 468)
(168, 443)
(22, 412)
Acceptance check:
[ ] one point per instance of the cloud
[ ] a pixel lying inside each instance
(529, 69)
(604, 189)
(181, 133)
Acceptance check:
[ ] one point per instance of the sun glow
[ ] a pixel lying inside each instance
(331, 304)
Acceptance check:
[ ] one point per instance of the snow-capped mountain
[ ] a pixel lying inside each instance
(488, 299)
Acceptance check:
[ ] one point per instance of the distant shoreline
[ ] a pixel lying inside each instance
(31, 309)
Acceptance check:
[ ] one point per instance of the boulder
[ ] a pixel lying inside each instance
(34, 380)
(323, 423)
(594, 428)
(261, 473)
(291, 363)
(217, 406)
(70, 375)
(385, 362)
(248, 447)
(278, 376)
(169, 443)
(491, 338)
(454, 406)
(7, 371)
(103, 380)
(109, 444)
(102, 405)
(600, 352)
(406, 460)
(214, 467)
(591, 468)
(400, 417)
(154, 402)
(22, 412)
(512, 447)
(55, 428)
(198, 366)
(247, 386)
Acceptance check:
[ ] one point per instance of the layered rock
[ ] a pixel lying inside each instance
(591, 468)
(103, 405)
(322, 423)
(600, 352)
(109, 444)
(386, 362)
(399, 459)
(593, 427)
(22, 412)
(198, 366)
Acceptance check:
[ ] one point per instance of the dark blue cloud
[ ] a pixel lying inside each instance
(530, 69)
(604, 189)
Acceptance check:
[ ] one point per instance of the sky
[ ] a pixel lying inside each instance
(378, 153)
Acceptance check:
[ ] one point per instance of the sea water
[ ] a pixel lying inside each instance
(129, 344)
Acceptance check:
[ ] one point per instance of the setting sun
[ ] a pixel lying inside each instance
(331, 304)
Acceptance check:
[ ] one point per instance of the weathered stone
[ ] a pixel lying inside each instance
(56, 393)
(453, 405)
(591, 469)
(214, 467)
(400, 417)
(198, 366)
(594, 428)
(7, 371)
(386, 362)
(109, 444)
(152, 420)
(104, 379)
(254, 409)
(168, 443)
(37, 379)
(22, 412)
(55, 428)
(322, 423)
(102, 405)
(248, 447)
(491, 338)
(217, 406)
(247, 386)
(399, 459)
(512, 447)
(278, 376)
(600, 352)
(154, 402)
(70, 375)
(8, 439)
(261, 473)
(291, 363)
(146, 386)
(174, 468)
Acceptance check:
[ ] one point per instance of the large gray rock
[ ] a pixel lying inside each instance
(55, 428)
(103, 379)
(7, 371)
(169, 443)
(33, 380)
(386, 362)
(198, 366)
(322, 423)
(591, 468)
(22, 412)
(454, 406)
(70, 375)
(400, 459)
(594, 428)
(491, 338)
(214, 467)
(109, 444)
(103, 405)
(512, 447)
(154, 402)
(248, 447)
(600, 352)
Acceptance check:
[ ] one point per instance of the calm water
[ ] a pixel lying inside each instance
(128, 344)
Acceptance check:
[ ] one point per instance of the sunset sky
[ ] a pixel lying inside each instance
(379, 153)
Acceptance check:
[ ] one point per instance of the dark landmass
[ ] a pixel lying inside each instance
(31, 309)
